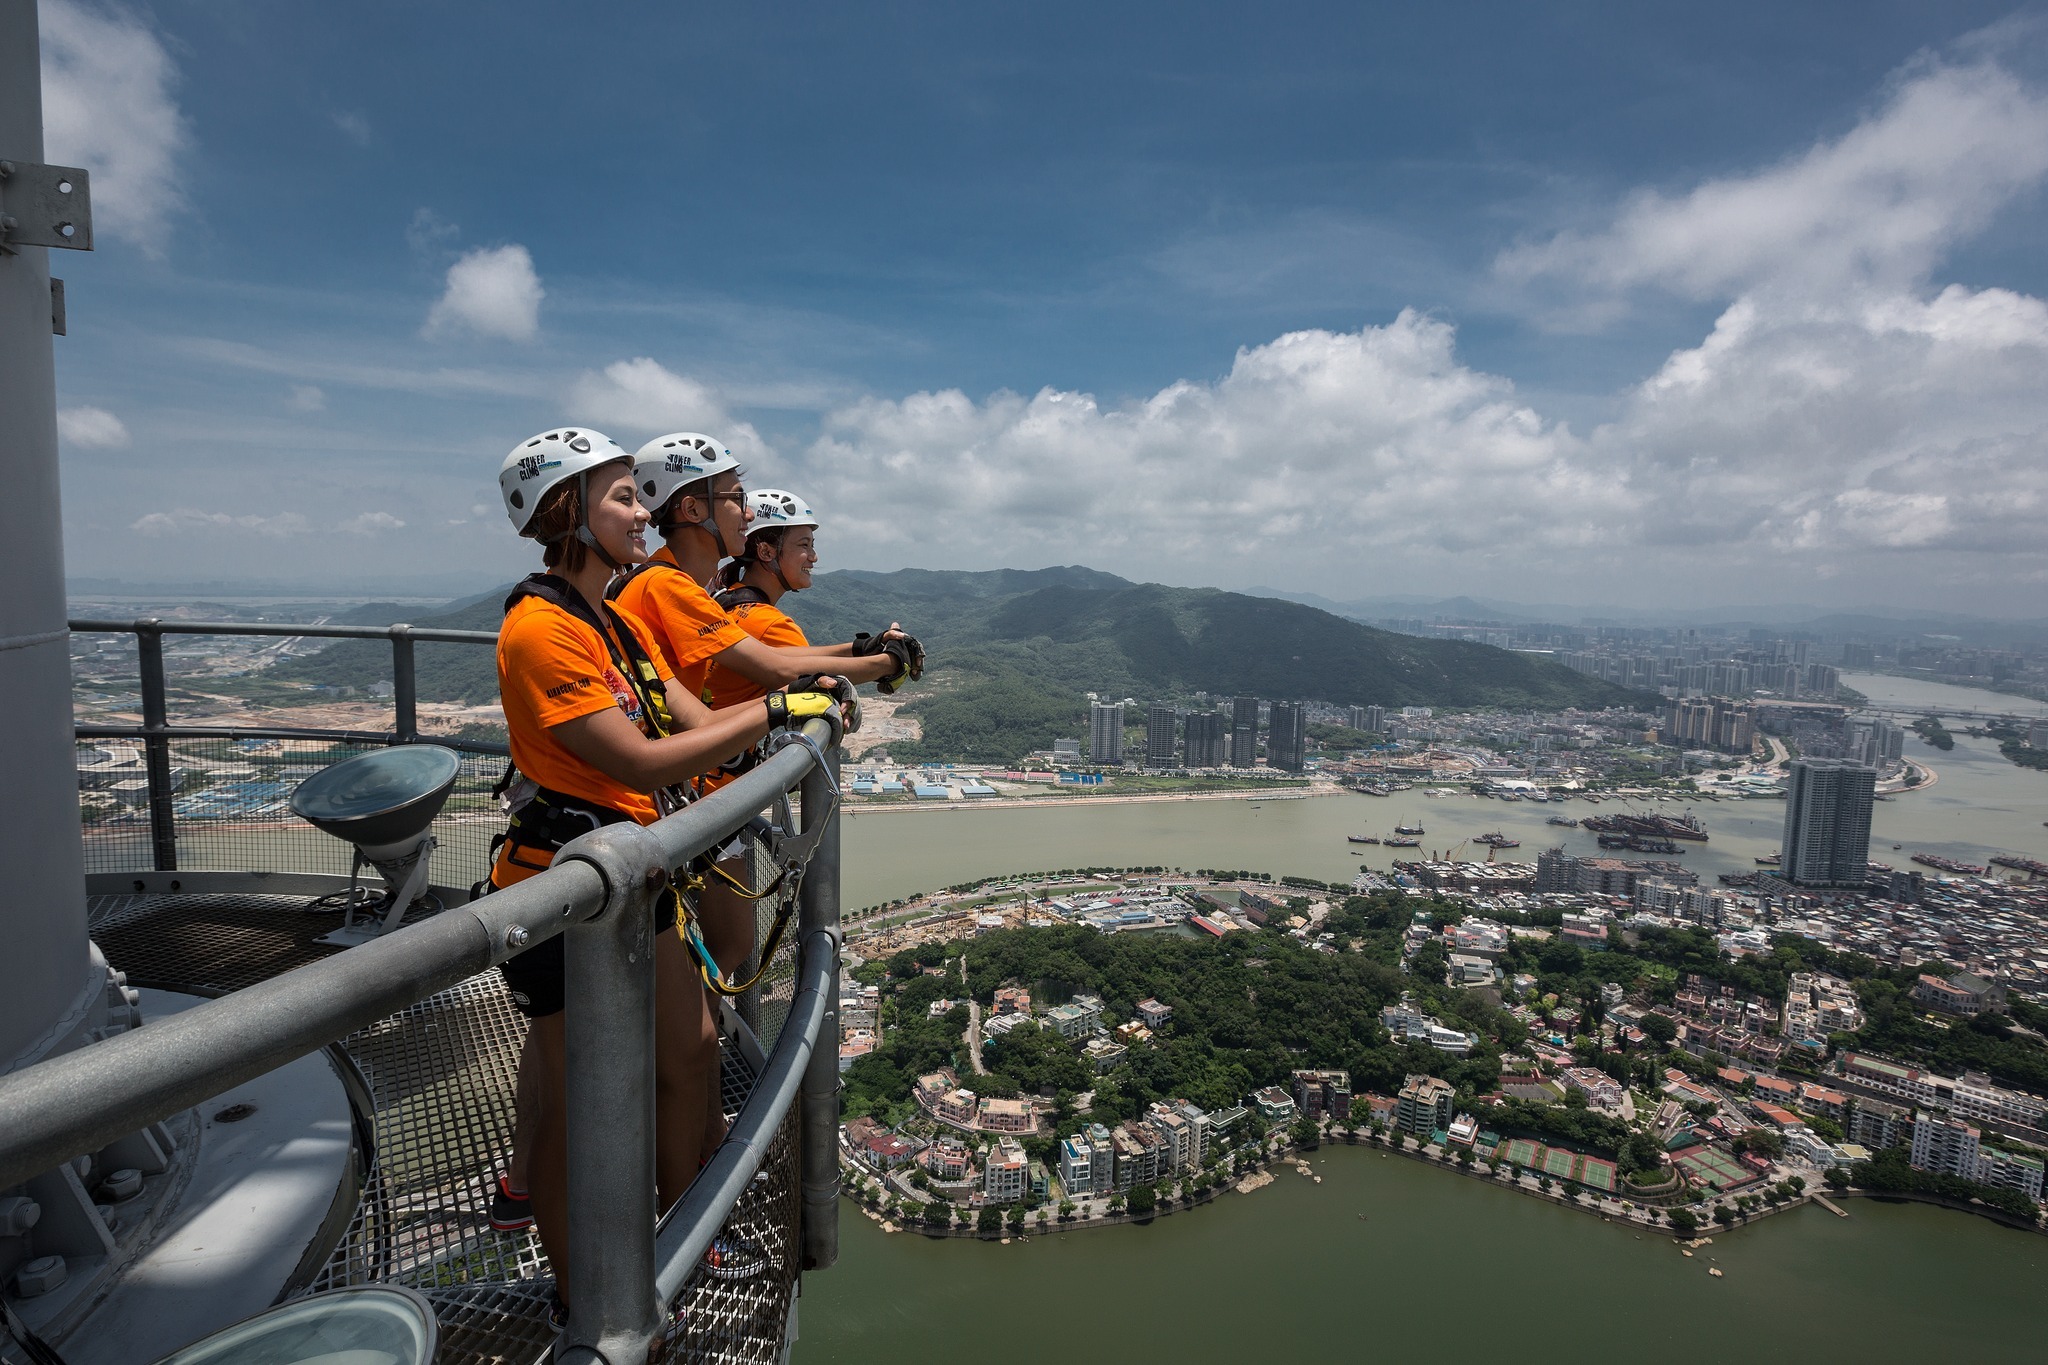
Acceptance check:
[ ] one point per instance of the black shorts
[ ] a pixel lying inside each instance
(538, 977)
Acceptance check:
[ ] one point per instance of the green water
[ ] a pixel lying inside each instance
(1441, 1264)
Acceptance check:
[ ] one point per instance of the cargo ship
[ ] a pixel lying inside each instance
(1401, 841)
(1409, 829)
(1497, 840)
(1939, 863)
(2033, 867)
(1685, 826)
(1562, 822)
(1638, 844)
(1361, 838)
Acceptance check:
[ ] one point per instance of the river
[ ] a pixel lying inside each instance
(1441, 1262)
(1981, 804)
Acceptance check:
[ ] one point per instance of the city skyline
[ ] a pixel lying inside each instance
(1383, 318)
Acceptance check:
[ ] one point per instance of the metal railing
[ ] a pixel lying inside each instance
(156, 731)
(624, 1270)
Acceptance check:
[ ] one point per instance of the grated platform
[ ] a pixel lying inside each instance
(440, 1079)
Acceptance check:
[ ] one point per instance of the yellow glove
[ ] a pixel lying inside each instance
(786, 709)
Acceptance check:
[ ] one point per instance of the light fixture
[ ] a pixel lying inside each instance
(383, 803)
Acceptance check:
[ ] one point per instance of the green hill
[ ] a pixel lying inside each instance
(1013, 651)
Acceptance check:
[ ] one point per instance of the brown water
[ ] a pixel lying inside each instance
(1981, 804)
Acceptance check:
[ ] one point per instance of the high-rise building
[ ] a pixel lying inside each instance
(1375, 719)
(1207, 734)
(1827, 823)
(1244, 731)
(1160, 725)
(1287, 739)
(1106, 732)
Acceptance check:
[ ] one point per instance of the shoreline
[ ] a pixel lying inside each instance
(1069, 802)
(1608, 1209)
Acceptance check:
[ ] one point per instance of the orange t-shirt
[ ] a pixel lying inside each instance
(771, 626)
(554, 668)
(688, 626)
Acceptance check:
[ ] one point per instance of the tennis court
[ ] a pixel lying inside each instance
(1596, 1174)
(1558, 1163)
(1521, 1152)
(1711, 1165)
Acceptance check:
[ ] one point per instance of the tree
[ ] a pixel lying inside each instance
(1723, 1215)
(991, 1219)
(1303, 1133)
(1837, 1178)
(1066, 1211)
(1143, 1199)
(1015, 1217)
(1798, 1184)
(1685, 1220)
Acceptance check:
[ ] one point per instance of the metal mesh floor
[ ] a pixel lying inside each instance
(441, 1077)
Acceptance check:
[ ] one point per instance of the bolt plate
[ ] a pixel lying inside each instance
(47, 205)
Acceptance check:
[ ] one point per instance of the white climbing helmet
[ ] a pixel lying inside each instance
(774, 509)
(669, 462)
(537, 465)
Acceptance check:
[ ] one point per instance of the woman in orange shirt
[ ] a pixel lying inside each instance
(589, 707)
(780, 555)
(691, 484)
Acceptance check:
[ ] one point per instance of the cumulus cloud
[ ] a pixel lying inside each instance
(1347, 448)
(189, 520)
(91, 428)
(370, 524)
(1951, 144)
(1788, 440)
(491, 292)
(107, 106)
(306, 398)
(644, 396)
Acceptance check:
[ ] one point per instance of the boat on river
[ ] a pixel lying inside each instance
(1941, 864)
(1497, 840)
(1361, 838)
(1562, 821)
(1401, 841)
(1409, 829)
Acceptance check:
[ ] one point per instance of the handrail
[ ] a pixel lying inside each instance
(285, 629)
(597, 892)
(156, 731)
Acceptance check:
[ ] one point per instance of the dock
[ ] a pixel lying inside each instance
(1830, 1206)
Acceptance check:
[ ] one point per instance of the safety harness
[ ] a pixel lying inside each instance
(543, 820)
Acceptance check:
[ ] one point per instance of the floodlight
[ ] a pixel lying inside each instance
(360, 1325)
(383, 803)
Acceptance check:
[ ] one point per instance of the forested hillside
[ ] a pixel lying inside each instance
(1012, 651)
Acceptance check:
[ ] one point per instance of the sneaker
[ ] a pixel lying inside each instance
(733, 1257)
(510, 1211)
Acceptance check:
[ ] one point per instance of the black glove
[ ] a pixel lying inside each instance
(866, 645)
(909, 665)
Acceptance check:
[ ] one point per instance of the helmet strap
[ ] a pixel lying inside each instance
(583, 531)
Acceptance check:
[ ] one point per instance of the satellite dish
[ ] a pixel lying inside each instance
(361, 1325)
(383, 803)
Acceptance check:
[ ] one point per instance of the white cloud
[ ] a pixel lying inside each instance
(91, 428)
(1950, 146)
(643, 396)
(307, 398)
(1856, 436)
(429, 234)
(187, 520)
(370, 524)
(492, 292)
(107, 106)
(352, 126)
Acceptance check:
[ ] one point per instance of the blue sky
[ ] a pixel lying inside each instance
(1618, 303)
